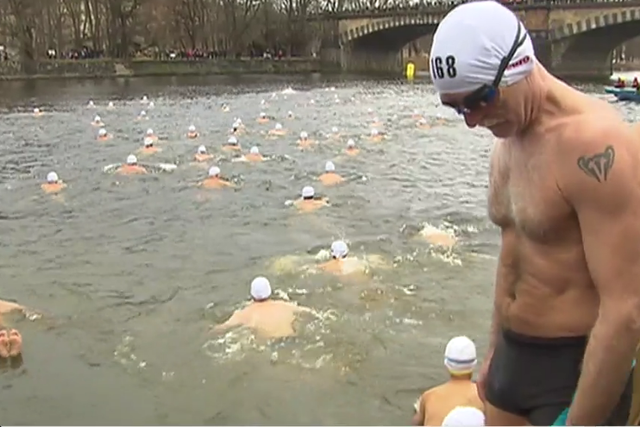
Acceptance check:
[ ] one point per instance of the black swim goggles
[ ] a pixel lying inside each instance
(487, 93)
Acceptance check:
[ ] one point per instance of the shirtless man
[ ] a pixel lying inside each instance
(435, 404)
(267, 317)
(564, 188)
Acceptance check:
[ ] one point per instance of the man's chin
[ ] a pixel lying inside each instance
(502, 130)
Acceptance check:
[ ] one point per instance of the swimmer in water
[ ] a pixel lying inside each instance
(91, 104)
(341, 264)
(308, 201)
(330, 177)
(144, 100)
(150, 135)
(422, 124)
(436, 237)
(376, 123)
(103, 135)
(202, 155)
(225, 108)
(351, 149)
(37, 112)
(290, 115)
(305, 141)
(262, 118)
(254, 155)
(232, 144)
(142, 116)
(148, 147)
(214, 181)
(54, 184)
(97, 121)
(335, 133)
(111, 106)
(278, 130)
(417, 115)
(131, 167)
(10, 339)
(460, 390)
(192, 133)
(267, 317)
(376, 135)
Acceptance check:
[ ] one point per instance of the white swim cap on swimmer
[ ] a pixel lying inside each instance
(464, 416)
(97, 119)
(351, 143)
(308, 192)
(334, 129)
(90, 102)
(471, 58)
(214, 171)
(374, 132)
(144, 97)
(339, 249)
(304, 135)
(329, 166)
(278, 126)
(36, 110)
(102, 132)
(132, 160)
(460, 355)
(110, 103)
(260, 288)
(263, 115)
(290, 113)
(52, 177)
(149, 131)
(254, 150)
(152, 104)
(148, 142)
(202, 149)
(232, 140)
(192, 128)
(143, 113)
(422, 121)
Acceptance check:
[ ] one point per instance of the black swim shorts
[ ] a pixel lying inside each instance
(536, 378)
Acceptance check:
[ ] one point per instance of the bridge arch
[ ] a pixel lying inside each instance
(393, 24)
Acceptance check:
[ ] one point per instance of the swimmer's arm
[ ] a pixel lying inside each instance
(607, 207)
(419, 416)
(233, 321)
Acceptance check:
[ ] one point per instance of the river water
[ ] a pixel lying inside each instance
(130, 273)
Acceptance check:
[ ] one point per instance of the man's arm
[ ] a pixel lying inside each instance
(600, 179)
(234, 320)
(419, 416)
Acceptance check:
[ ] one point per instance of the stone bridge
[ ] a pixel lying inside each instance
(573, 38)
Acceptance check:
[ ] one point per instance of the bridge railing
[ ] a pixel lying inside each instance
(443, 6)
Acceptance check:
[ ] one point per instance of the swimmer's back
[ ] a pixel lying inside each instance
(439, 401)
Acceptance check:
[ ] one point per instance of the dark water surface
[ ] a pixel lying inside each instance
(130, 273)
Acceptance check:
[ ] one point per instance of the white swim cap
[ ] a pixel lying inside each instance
(460, 355)
(192, 128)
(464, 416)
(36, 110)
(260, 288)
(464, 61)
(152, 104)
(304, 135)
(254, 150)
(202, 149)
(278, 126)
(351, 143)
(263, 115)
(308, 192)
(334, 129)
(52, 177)
(290, 113)
(329, 166)
(143, 113)
(214, 171)
(132, 160)
(90, 102)
(339, 249)
(148, 142)
(110, 104)
(96, 119)
(102, 132)
(374, 132)
(232, 140)
(144, 97)
(422, 121)
(149, 131)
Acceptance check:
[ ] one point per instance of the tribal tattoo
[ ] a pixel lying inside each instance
(599, 165)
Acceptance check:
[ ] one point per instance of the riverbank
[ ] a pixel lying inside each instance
(106, 68)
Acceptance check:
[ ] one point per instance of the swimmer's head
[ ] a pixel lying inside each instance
(464, 416)
(334, 130)
(482, 75)
(111, 104)
(214, 171)
(148, 142)
(260, 289)
(36, 111)
(329, 167)
(278, 126)
(143, 113)
(102, 132)
(290, 114)
(52, 178)
(91, 102)
(254, 150)
(460, 356)
(144, 98)
(375, 132)
(339, 249)
(132, 160)
(304, 135)
(149, 132)
(192, 128)
(232, 140)
(351, 143)
(308, 192)
(422, 121)
(97, 119)
(202, 149)
(263, 114)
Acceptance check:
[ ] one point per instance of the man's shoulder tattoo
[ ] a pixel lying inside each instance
(598, 166)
